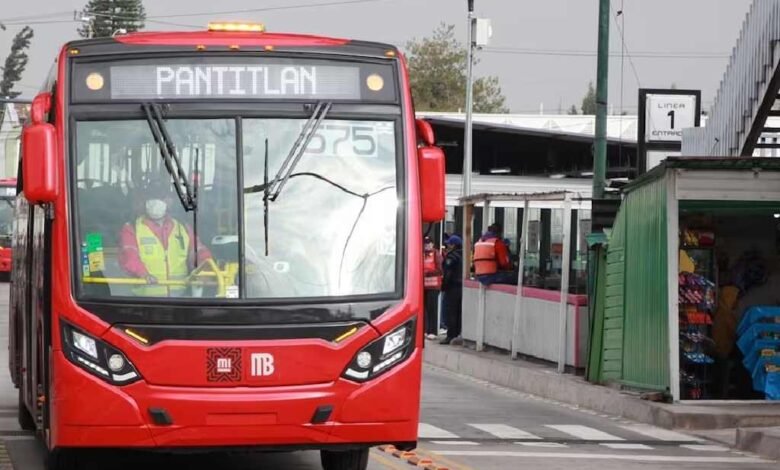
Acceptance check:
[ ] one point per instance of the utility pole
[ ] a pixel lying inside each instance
(469, 102)
(602, 82)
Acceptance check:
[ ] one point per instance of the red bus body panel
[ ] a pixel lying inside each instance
(87, 412)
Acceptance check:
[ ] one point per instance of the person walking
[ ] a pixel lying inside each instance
(432, 271)
(452, 286)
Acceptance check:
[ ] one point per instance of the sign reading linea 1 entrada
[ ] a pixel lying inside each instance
(668, 115)
(663, 114)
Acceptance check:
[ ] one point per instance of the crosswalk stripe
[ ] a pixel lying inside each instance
(455, 443)
(706, 448)
(584, 432)
(660, 434)
(502, 431)
(578, 456)
(554, 445)
(624, 446)
(428, 431)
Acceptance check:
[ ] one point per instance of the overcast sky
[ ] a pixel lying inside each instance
(701, 31)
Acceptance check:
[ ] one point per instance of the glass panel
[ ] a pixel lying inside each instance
(135, 237)
(579, 263)
(450, 221)
(552, 273)
(531, 274)
(510, 229)
(332, 230)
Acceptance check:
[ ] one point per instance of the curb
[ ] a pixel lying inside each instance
(762, 441)
(412, 458)
(540, 381)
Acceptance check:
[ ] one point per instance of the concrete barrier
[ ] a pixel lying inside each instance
(539, 321)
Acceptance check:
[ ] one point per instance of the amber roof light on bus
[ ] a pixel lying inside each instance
(242, 27)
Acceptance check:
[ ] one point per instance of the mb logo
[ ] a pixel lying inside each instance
(224, 365)
(262, 364)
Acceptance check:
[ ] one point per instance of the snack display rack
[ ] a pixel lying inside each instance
(697, 304)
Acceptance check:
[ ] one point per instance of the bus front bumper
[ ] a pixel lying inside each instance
(88, 412)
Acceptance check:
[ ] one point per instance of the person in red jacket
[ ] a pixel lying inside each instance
(432, 270)
(492, 264)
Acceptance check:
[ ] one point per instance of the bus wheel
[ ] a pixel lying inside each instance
(26, 421)
(62, 459)
(346, 460)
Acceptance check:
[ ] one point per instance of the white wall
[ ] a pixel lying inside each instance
(538, 336)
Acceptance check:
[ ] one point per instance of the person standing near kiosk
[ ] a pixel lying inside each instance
(492, 264)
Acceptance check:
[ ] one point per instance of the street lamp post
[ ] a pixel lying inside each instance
(469, 101)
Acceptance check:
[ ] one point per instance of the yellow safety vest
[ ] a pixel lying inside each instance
(163, 264)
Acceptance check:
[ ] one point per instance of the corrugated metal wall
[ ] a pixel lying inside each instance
(645, 321)
(612, 356)
(753, 62)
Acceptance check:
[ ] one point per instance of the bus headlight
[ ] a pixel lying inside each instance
(382, 354)
(97, 357)
(85, 344)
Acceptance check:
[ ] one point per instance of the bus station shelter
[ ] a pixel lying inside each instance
(538, 316)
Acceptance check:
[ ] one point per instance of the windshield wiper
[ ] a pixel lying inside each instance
(273, 189)
(266, 194)
(181, 183)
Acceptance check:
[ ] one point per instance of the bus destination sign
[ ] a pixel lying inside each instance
(253, 81)
(218, 78)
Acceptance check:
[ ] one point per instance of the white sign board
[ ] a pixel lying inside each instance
(667, 115)
(654, 157)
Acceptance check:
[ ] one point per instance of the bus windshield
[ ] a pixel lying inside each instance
(331, 232)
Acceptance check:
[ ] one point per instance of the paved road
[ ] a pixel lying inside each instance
(466, 425)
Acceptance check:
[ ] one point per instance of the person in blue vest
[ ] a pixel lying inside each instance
(452, 287)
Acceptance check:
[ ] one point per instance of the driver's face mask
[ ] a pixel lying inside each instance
(156, 208)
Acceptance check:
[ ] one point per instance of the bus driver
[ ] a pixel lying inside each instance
(157, 247)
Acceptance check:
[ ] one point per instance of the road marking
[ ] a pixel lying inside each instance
(438, 458)
(553, 445)
(19, 438)
(624, 446)
(455, 443)
(502, 431)
(388, 463)
(582, 456)
(706, 448)
(660, 434)
(427, 431)
(584, 432)
(5, 459)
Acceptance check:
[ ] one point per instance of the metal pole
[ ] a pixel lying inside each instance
(469, 102)
(514, 349)
(467, 225)
(565, 269)
(482, 293)
(602, 82)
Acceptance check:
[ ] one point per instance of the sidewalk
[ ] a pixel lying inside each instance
(727, 420)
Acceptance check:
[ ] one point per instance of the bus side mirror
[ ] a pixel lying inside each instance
(39, 155)
(431, 183)
(431, 166)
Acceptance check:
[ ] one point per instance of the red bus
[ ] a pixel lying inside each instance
(218, 245)
(7, 197)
